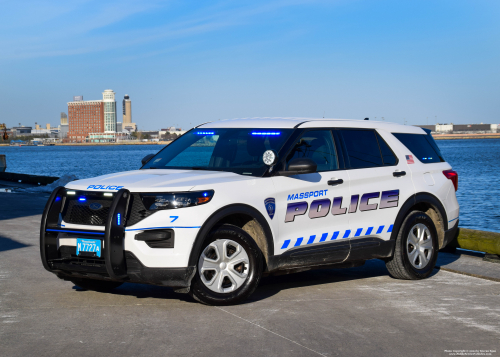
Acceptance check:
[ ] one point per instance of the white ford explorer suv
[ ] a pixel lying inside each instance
(230, 201)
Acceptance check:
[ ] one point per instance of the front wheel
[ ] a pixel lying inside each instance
(229, 267)
(416, 248)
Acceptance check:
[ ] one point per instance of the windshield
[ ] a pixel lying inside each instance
(234, 150)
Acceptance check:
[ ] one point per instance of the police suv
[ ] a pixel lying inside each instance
(231, 201)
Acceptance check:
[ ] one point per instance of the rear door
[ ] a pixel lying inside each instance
(379, 183)
(304, 208)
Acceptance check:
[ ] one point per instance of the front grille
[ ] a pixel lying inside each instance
(137, 211)
(78, 212)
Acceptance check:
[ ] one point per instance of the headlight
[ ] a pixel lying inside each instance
(158, 201)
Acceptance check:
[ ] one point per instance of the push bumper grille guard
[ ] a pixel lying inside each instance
(114, 232)
(120, 264)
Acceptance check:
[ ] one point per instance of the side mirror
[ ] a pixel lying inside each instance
(147, 158)
(300, 166)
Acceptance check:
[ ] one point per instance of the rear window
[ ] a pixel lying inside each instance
(422, 146)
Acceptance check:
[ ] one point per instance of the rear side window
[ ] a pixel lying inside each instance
(422, 146)
(362, 148)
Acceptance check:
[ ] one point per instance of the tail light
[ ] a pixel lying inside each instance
(453, 176)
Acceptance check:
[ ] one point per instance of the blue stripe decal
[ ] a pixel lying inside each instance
(312, 238)
(145, 229)
(80, 232)
(453, 220)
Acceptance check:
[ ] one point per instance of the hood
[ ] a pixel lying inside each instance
(156, 180)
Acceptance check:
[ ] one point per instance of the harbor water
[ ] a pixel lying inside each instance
(476, 161)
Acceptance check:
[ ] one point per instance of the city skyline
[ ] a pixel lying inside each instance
(188, 63)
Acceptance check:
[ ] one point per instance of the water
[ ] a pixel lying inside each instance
(476, 161)
(478, 165)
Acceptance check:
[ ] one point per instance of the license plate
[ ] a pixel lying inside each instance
(88, 247)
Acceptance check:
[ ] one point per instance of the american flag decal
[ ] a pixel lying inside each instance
(409, 159)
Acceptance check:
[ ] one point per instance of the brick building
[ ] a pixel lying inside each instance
(85, 117)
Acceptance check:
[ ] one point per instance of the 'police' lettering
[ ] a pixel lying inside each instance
(295, 209)
(320, 208)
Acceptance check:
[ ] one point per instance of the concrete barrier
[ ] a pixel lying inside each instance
(3, 163)
(31, 179)
(481, 241)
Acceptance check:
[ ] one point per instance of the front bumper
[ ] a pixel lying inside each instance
(116, 263)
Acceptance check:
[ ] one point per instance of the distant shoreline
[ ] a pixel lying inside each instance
(435, 136)
(465, 136)
(104, 144)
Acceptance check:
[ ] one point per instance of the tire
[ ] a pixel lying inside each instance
(96, 285)
(229, 267)
(416, 249)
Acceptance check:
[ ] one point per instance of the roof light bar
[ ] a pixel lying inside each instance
(263, 133)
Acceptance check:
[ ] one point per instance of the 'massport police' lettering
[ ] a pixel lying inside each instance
(103, 187)
(304, 195)
(321, 208)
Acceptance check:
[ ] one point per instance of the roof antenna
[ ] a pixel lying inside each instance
(323, 115)
(367, 118)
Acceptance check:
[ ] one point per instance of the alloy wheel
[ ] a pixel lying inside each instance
(419, 246)
(223, 266)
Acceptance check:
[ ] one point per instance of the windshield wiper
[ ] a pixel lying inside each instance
(198, 168)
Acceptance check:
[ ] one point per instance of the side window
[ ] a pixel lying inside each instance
(318, 146)
(422, 146)
(387, 155)
(362, 148)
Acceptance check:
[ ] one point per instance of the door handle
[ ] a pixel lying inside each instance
(335, 182)
(399, 173)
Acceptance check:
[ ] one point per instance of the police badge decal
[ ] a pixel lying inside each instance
(270, 206)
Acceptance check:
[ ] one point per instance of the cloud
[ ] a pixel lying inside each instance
(81, 27)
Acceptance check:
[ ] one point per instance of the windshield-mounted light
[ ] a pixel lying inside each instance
(174, 200)
(205, 132)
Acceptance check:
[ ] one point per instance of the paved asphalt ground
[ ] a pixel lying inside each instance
(335, 312)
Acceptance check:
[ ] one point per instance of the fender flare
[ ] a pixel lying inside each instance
(223, 212)
(412, 201)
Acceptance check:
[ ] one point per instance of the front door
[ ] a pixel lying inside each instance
(311, 208)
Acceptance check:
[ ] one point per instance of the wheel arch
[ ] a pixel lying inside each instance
(243, 216)
(428, 204)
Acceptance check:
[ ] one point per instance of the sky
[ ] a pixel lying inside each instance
(184, 63)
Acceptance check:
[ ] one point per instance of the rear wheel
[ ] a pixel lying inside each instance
(96, 285)
(416, 248)
(229, 267)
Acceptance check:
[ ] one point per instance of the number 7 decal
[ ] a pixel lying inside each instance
(174, 218)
